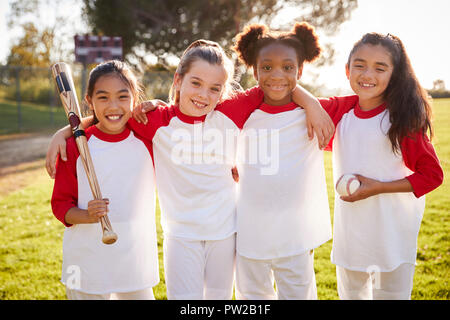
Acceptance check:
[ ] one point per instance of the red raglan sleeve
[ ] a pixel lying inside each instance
(156, 119)
(241, 105)
(65, 189)
(420, 157)
(336, 107)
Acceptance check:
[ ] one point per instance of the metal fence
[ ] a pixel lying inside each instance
(28, 93)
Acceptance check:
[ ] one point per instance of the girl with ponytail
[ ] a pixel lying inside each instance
(282, 214)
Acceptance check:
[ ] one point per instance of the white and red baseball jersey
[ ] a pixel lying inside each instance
(125, 173)
(282, 208)
(193, 158)
(379, 232)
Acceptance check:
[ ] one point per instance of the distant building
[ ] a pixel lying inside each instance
(95, 49)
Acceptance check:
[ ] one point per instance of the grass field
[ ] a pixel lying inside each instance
(32, 117)
(31, 238)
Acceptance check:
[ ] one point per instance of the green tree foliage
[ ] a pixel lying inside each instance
(33, 49)
(46, 30)
(438, 90)
(168, 26)
(21, 8)
(439, 85)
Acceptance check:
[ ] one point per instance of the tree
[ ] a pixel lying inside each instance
(163, 27)
(47, 26)
(438, 85)
(33, 49)
(439, 90)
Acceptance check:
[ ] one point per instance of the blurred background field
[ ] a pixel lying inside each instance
(31, 238)
(38, 33)
(29, 101)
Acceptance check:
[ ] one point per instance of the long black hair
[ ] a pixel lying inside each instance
(407, 101)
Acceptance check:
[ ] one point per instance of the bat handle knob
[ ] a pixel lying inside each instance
(109, 237)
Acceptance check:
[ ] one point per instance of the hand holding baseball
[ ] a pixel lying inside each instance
(347, 184)
(369, 187)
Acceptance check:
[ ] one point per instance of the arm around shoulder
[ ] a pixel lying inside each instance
(318, 121)
(57, 146)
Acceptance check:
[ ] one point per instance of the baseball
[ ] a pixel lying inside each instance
(347, 184)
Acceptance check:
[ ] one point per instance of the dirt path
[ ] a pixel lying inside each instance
(22, 156)
(20, 148)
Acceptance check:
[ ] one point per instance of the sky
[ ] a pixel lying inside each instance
(422, 25)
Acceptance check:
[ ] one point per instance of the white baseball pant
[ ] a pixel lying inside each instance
(294, 277)
(145, 294)
(197, 270)
(357, 285)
